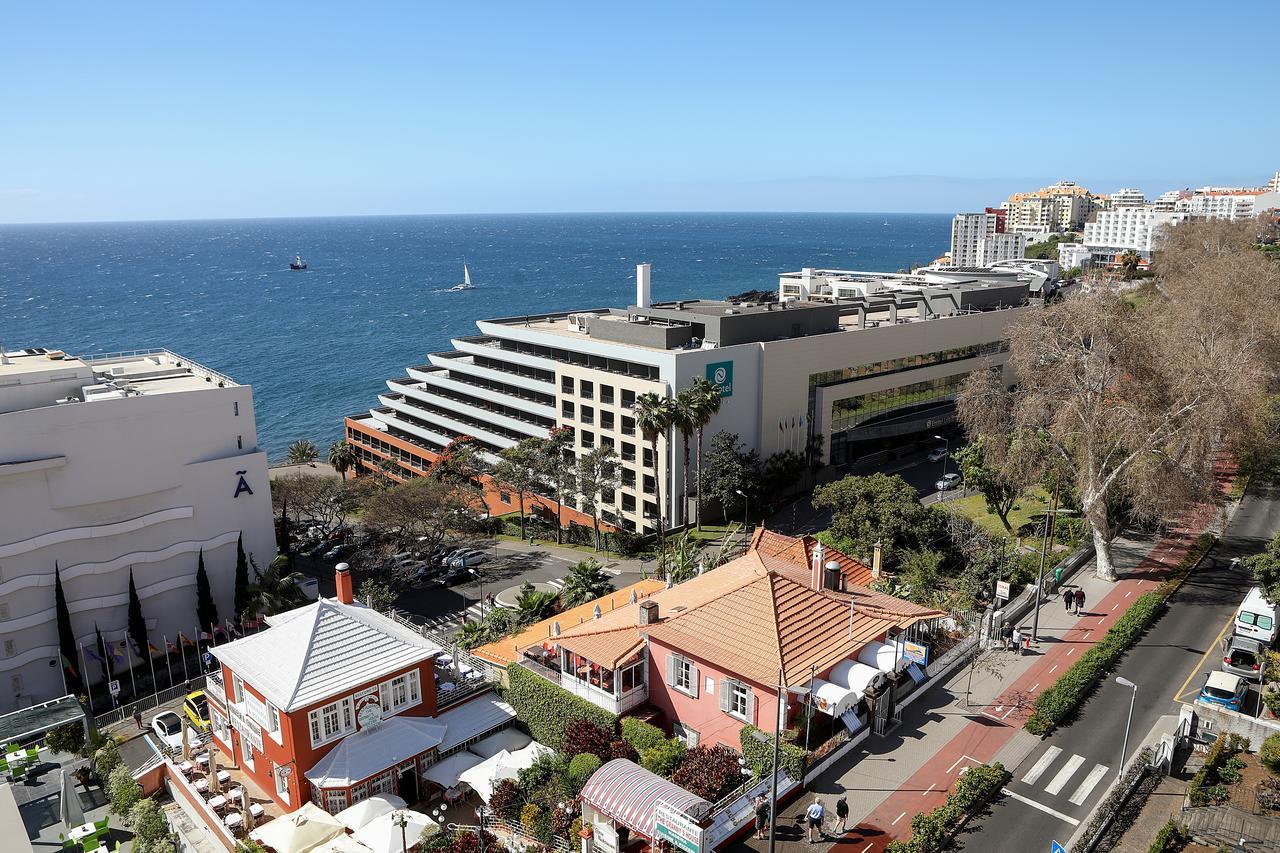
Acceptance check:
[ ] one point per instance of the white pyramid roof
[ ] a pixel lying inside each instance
(321, 650)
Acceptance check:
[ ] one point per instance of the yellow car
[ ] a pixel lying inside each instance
(196, 708)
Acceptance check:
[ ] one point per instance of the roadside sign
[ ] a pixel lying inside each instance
(114, 688)
(676, 827)
(1057, 848)
(916, 652)
(207, 657)
(1002, 590)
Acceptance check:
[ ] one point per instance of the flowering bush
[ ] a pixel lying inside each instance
(709, 772)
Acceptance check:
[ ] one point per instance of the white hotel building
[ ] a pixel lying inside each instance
(1113, 232)
(133, 461)
(840, 373)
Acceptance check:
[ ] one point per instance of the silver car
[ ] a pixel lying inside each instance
(1243, 656)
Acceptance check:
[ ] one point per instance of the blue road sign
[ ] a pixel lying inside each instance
(208, 661)
(1057, 848)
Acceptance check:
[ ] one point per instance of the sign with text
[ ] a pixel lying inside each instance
(676, 827)
(1002, 590)
(605, 838)
(720, 374)
(246, 727)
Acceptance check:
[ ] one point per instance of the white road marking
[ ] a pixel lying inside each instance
(1041, 807)
(1051, 669)
(868, 847)
(1082, 793)
(1033, 775)
(1034, 686)
(1114, 606)
(1087, 633)
(1064, 775)
(898, 818)
(929, 790)
(1071, 651)
(961, 760)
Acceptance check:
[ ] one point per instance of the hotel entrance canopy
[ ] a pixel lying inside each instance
(627, 793)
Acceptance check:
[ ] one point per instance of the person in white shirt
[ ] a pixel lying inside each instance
(814, 815)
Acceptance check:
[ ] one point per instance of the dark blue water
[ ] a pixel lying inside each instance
(320, 344)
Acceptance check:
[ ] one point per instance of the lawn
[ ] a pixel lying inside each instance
(1032, 505)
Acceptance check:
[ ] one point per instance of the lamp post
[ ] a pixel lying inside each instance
(946, 454)
(1044, 549)
(401, 820)
(479, 577)
(781, 713)
(1124, 750)
(746, 508)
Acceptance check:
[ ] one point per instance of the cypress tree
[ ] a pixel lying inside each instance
(137, 625)
(66, 637)
(102, 652)
(242, 579)
(206, 609)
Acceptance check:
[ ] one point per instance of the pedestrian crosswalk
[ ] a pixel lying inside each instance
(1062, 774)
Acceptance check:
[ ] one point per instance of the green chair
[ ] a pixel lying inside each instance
(33, 755)
(102, 825)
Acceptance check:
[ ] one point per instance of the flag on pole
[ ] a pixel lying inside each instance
(170, 647)
(69, 666)
(117, 651)
(151, 647)
(92, 655)
(185, 640)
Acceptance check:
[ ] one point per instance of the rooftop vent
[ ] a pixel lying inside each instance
(649, 613)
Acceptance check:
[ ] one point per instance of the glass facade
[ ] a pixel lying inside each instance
(867, 408)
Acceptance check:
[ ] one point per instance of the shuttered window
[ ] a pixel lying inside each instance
(682, 675)
(737, 700)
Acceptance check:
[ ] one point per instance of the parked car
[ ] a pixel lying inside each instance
(167, 726)
(948, 482)
(1225, 689)
(196, 709)
(937, 454)
(336, 552)
(467, 558)
(1243, 656)
(456, 575)
(1256, 617)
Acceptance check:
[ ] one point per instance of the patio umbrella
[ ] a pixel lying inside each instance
(299, 831)
(70, 812)
(186, 742)
(215, 787)
(385, 835)
(342, 844)
(369, 809)
(246, 812)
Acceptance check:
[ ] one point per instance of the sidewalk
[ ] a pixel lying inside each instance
(890, 779)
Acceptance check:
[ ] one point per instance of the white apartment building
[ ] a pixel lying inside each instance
(1231, 203)
(1127, 197)
(1128, 228)
(109, 463)
(826, 375)
(979, 240)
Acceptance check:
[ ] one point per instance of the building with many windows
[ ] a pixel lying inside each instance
(980, 239)
(787, 370)
(1113, 232)
(1064, 206)
(110, 465)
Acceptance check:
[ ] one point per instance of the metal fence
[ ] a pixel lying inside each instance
(499, 826)
(147, 702)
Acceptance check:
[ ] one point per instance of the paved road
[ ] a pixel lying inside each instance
(1055, 788)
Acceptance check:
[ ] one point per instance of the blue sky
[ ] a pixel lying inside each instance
(113, 111)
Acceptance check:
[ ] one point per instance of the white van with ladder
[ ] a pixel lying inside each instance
(1256, 617)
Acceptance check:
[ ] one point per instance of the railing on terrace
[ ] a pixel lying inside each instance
(145, 703)
(499, 826)
(460, 655)
(181, 361)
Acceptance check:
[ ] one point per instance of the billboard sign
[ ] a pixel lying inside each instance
(720, 374)
(676, 827)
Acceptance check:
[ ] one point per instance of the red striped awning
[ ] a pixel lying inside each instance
(629, 794)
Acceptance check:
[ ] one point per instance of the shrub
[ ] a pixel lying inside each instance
(709, 772)
(622, 749)
(68, 738)
(529, 816)
(581, 768)
(1229, 773)
(150, 828)
(541, 772)
(106, 759)
(505, 800)
(1270, 752)
(1206, 786)
(123, 791)
(546, 709)
(575, 828)
(759, 754)
(641, 735)
(1172, 836)
(585, 736)
(562, 821)
(663, 759)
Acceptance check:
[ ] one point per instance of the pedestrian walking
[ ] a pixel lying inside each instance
(137, 717)
(1006, 635)
(815, 813)
(842, 814)
(1068, 599)
(1079, 600)
(762, 815)
(1017, 640)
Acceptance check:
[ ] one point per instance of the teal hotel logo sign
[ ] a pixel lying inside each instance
(720, 374)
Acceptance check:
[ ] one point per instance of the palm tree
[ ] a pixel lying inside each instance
(684, 419)
(706, 398)
(654, 418)
(302, 451)
(586, 582)
(274, 590)
(1129, 262)
(533, 604)
(342, 457)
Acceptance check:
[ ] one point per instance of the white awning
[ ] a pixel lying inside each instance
(509, 739)
(472, 719)
(855, 676)
(445, 772)
(371, 751)
(481, 777)
(833, 699)
(881, 656)
(368, 809)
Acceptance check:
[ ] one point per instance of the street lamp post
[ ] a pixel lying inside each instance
(479, 577)
(746, 508)
(946, 455)
(780, 715)
(1124, 750)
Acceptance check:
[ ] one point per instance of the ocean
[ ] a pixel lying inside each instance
(320, 344)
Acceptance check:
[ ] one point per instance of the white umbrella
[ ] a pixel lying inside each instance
(365, 811)
(299, 831)
(384, 834)
(70, 812)
(342, 844)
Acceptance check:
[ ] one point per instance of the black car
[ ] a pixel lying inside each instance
(455, 576)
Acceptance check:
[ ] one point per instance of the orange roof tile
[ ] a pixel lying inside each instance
(508, 649)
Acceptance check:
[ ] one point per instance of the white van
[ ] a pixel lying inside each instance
(1256, 617)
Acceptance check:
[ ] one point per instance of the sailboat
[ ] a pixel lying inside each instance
(297, 263)
(466, 280)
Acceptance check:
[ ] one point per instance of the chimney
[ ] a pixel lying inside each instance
(833, 578)
(649, 613)
(342, 577)
(877, 561)
(815, 571)
(643, 295)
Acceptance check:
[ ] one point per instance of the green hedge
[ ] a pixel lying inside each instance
(1073, 686)
(931, 831)
(760, 755)
(641, 735)
(545, 708)
(1172, 836)
(1206, 787)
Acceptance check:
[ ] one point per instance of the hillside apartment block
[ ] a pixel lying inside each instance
(132, 462)
(829, 372)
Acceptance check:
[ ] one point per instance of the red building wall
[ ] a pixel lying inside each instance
(295, 748)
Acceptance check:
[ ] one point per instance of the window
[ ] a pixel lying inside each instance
(606, 497)
(628, 478)
(239, 442)
(606, 394)
(628, 502)
(736, 699)
(273, 719)
(588, 415)
(282, 782)
(331, 721)
(384, 784)
(400, 692)
(628, 398)
(566, 384)
(632, 677)
(606, 419)
(682, 675)
(235, 408)
(335, 801)
(628, 452)
(586, 389)
(566, 409)
(650, 485)
(648, 458)
(628, 425)
(606, 441)
(588, 438)
(686, 734)
(505, 497)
